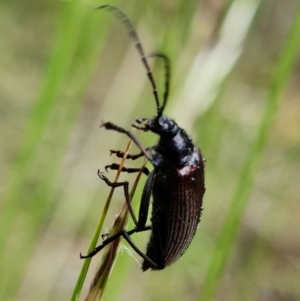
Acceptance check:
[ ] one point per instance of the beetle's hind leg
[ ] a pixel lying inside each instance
(126, 235)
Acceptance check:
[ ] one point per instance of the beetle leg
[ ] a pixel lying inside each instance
(145, 201)
(113, 127)
(126, 236)
(140, 225)
(116, 166)
(104, 235)
(126, 193)
(120, 154)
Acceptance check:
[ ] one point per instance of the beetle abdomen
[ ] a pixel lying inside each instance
(176, 212)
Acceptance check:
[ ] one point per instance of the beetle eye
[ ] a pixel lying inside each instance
(162, 121)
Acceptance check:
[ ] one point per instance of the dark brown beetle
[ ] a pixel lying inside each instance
(176, 183)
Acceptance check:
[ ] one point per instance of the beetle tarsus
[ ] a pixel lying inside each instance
(120, 154)
(116, 166)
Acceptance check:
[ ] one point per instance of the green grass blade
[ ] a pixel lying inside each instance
(70, 18)
(87, 261)
(231, 226)
(76, 30)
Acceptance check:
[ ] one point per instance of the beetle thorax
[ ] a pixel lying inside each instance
(174, 147)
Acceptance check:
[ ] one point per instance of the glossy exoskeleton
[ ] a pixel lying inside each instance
(176, 182)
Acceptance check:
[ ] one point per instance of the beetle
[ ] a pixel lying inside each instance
(176, 183)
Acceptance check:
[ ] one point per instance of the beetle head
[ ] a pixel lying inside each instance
(163, 126)
(160, 125)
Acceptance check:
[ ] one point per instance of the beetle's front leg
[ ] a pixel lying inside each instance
(113, 127)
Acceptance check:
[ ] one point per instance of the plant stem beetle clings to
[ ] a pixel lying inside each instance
(176, 183)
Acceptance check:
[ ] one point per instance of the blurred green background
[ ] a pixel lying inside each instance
(235, 87)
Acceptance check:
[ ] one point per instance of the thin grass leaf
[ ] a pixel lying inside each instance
(87, 261)
(19, 183)
(31, 183)
(110, 254)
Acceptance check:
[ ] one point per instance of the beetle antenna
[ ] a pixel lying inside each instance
(132, 33)
(167, 67)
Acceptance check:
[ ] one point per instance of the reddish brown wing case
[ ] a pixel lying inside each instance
(176, 211)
